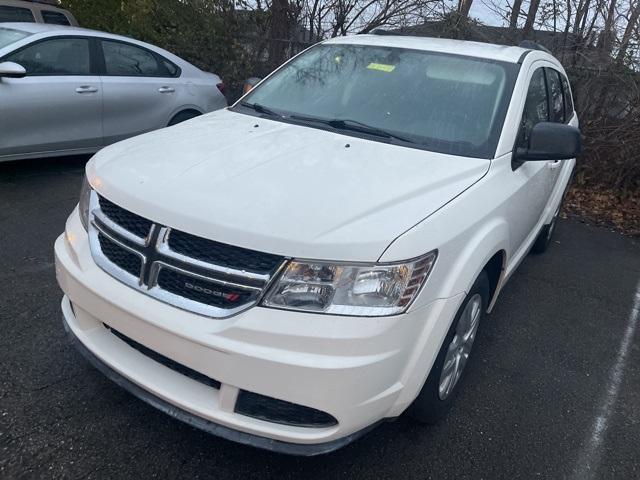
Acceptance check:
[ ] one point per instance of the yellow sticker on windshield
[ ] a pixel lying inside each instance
(381, 67)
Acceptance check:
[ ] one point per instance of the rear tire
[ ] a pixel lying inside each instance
(183, 116)
(445, 379)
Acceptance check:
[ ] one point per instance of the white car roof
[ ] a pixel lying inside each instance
(46, 28)
(459, 47)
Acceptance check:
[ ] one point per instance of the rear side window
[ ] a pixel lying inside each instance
(56, 18)
(555, 95)
(536, 107)
(15, 14)
(126, 60)
(568, 101)
(172, 70)
(59, 56)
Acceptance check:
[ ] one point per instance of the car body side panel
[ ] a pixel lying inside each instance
(46, 113)
(67, 122)
(135, 105)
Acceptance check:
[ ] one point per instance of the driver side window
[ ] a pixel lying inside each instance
(536, 107)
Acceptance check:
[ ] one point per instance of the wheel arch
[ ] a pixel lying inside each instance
(184, 109)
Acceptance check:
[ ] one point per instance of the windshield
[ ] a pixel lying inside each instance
(445, 103)
(9, 36)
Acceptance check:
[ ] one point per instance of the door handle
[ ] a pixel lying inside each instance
(86, 89)
(166, 89)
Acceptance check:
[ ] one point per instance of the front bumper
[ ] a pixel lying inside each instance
(204, 424)
(359, 370)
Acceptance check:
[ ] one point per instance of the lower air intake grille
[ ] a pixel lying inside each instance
(279, 411)
(167, 362)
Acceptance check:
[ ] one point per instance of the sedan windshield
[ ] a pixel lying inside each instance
(444, 103)
(9, 36)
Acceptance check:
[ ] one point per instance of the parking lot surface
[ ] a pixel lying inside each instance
(553, 391)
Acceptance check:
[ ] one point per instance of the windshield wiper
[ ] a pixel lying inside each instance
(354, 126)
(260, 109)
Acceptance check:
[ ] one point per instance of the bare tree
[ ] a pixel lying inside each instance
(464, 6)
(632, 24)
(531, 17)
(515, 13)
(606, 37)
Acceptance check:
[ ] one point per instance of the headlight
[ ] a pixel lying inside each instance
(83, 204)
(339, 289)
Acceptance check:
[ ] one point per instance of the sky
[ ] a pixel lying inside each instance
(483, 13)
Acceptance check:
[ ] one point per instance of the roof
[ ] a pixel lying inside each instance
(459, 47)
(45, 28)
(40, 4)
(554, 41)
(33, 27)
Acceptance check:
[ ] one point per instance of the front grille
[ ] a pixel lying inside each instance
(221, 254)
(131, 222)
(190, 272)
(278, 411)
(201, 291)
(127, 261)
(167, 362)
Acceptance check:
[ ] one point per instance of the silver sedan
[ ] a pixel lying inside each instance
(68, 90)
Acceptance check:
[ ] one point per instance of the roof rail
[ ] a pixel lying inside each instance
(533, 46)
(381, 31)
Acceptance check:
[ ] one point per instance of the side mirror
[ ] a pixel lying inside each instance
(12, 70)
(551, 141)
(250, 83)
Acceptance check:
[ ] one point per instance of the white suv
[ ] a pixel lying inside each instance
(317, 258)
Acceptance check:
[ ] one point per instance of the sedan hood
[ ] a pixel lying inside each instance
(280, 188)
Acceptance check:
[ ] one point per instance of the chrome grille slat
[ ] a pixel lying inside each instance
(164, 248)
(192, 284)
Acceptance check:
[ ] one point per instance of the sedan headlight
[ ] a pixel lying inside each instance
(83, 204)
(340, 289)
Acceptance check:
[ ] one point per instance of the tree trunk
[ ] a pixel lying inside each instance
(278, 32)
(628, 32)
(531, 17)
(606, 39)
(463, 8)
(515, 13)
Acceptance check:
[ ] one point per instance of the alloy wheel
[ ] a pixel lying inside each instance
(460, 346)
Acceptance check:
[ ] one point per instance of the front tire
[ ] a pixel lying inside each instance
(444, 381)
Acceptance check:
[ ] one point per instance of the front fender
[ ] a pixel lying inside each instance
(460, 259)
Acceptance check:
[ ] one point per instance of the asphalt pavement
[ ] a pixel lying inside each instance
(553, 391)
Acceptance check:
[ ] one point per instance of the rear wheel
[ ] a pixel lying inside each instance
(183, 116)
(444, 381)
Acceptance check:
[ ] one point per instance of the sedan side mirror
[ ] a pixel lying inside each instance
(12, 70)
(551, 141)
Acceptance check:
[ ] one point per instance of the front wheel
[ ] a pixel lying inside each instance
(443, 383)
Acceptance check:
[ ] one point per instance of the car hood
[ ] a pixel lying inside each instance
(280, 188)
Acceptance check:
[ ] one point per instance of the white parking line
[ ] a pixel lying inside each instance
(591, 456)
